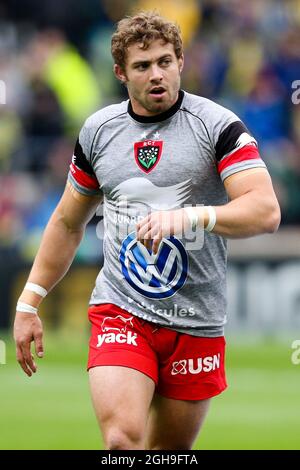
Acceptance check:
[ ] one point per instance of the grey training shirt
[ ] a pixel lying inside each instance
(141, 164)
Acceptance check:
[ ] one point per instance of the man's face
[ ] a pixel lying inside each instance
(152, 77)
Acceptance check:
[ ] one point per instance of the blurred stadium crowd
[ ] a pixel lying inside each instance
(56, 65)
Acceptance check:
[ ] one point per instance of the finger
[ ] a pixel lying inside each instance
(38, 344)
(155, 244)
(21, 361)
(153, 231)
(142, 222)
(28, 357)
(31, 363)
(140, 234)
(148, 245)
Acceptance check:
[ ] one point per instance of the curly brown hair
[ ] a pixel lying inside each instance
(144, 28)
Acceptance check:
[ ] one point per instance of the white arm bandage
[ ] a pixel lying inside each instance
(36, 288)
(212, 218)
(26, 308)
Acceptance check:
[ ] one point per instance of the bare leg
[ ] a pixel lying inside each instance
(175, 424)
(121, 397)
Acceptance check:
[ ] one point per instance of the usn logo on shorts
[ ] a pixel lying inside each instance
(196, 366)
(155, 276)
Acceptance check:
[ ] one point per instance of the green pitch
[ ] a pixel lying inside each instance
(52, 410)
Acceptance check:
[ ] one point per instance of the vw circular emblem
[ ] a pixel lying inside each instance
(155, 276)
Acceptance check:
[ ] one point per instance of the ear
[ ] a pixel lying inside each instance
(181, 63)
(120, 73)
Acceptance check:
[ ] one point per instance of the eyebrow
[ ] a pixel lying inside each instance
(142, 62)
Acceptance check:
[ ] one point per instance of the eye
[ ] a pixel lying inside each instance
(142, 67)
(166, 62)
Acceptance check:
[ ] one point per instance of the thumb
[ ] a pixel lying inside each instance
(39, 348)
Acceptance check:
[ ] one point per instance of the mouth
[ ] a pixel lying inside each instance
(157, 92)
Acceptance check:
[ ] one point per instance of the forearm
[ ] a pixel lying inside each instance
(248, 215)
(252, 213)
(54, 257)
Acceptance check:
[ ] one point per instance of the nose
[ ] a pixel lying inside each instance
(156, 73)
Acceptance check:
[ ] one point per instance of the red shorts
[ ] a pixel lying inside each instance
(183, 367)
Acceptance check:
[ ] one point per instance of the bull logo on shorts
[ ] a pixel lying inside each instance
(109, 324)
(114, 330)
(156, 276)
(147, 154)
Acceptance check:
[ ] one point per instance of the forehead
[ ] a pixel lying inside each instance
(157, 48)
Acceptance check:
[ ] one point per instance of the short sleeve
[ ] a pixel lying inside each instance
(236, 149)
(81, 174)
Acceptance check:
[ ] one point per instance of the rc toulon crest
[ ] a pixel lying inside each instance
(147, 154)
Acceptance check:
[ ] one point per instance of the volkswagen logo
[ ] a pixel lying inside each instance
(155, 276)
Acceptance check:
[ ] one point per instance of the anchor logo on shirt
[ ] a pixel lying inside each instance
(147, 154)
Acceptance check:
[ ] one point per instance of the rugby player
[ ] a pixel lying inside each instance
(168, 165)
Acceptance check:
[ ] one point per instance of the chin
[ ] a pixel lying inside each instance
(157, 110)
(160, 107)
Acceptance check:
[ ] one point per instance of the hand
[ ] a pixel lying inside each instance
(158, 225)
(28, 328)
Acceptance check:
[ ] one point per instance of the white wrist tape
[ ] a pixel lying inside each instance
(212, 218)
(36, 288)
(26, 308)
(193, 217)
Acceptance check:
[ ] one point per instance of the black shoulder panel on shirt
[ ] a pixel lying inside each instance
(228, 138)
(80, 159)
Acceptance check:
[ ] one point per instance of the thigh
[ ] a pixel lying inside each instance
(123, 371)
(174, 424)
(121, 397)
